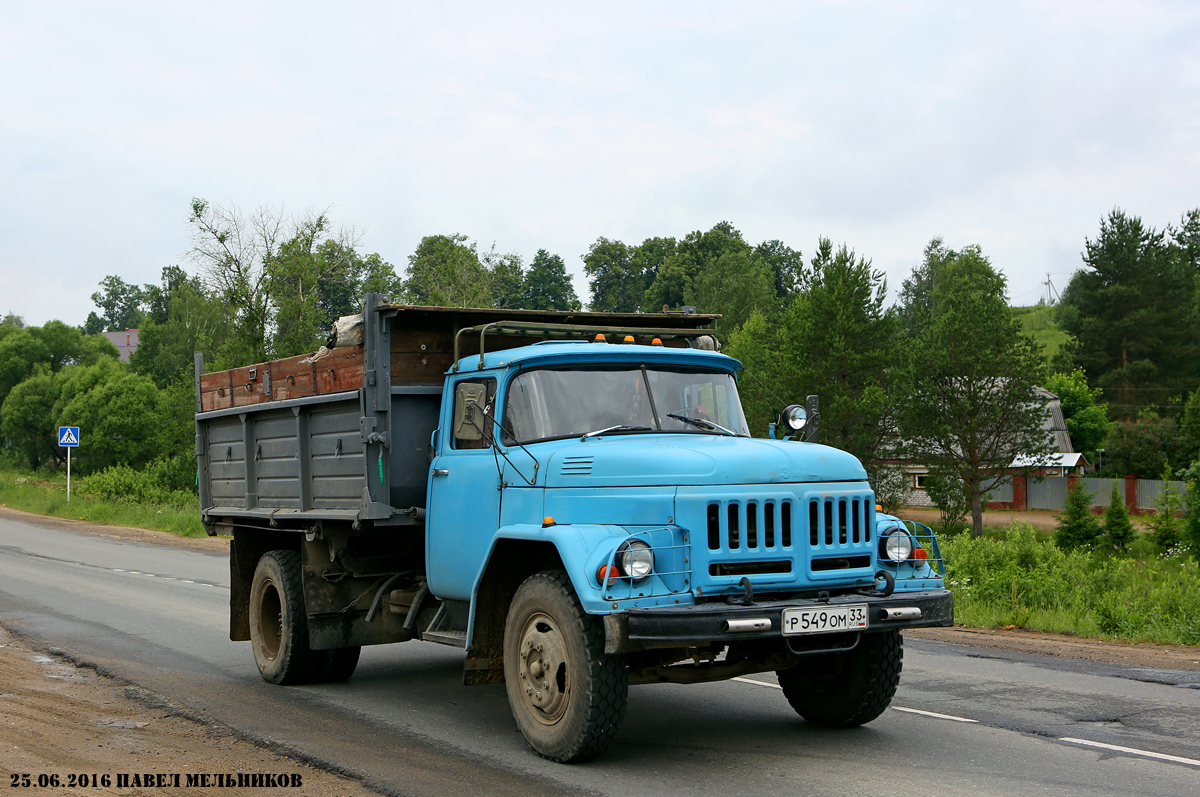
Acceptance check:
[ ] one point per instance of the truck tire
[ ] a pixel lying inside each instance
(278, 623)
(845, 690)
(567, 695)
(339, 664)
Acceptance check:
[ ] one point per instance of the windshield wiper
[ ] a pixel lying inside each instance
(618, 428)
(703, 424)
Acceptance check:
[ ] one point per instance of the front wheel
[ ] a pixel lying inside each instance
(567, 695)
(844, 690)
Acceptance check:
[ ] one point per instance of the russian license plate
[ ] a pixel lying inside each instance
(824, 619)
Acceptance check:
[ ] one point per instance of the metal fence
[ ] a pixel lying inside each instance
(1150, 489)
(1051, 491)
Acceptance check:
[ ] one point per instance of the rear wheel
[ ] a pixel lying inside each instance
(844, 690)
(567, 696)
(278, 623)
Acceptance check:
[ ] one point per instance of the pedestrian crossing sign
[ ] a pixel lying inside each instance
(68, 435)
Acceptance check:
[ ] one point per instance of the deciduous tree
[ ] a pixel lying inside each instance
(26, 418)
(232, 250)
(194, 322)
(787, 267)
(507, 276)
(119, 417)
(1144, 447)
(735, 285)
(968, 374)
(120, 304)
(673, 282)
(547, 284)
(616, 283)
(445, 271)
(1087, 421)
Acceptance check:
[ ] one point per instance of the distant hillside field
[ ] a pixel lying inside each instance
(1038, 321)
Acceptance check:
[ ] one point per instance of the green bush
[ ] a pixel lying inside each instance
(1023, 581)
(45, 493)
(149, 485)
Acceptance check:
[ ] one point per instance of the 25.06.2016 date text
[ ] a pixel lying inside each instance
(71, 781)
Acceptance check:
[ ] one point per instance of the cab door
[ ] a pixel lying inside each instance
(463, 509)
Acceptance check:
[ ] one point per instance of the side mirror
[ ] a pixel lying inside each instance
(469, 399)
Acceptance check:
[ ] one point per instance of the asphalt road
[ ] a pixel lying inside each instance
(962, 722)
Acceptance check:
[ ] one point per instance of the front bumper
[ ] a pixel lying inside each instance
(707, 623)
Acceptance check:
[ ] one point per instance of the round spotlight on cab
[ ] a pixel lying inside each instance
(793, 418)
(895, 545)
(635, 559)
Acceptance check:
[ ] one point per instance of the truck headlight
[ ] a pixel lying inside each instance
(895, 545)
(635, 559)
(793, 418)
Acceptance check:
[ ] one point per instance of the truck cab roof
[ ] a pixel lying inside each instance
(555, 352)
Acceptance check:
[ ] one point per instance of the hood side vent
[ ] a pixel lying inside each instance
(576, 466)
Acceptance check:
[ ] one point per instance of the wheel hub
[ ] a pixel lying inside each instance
(542, 667)
(270, 622)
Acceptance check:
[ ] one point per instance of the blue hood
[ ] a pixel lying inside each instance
(695, 459)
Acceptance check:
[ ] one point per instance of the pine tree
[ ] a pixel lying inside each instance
(1117, 528)
(1077, 526)
(1166, 524)
(547, 284)
(1191, 515)
(1129, 312)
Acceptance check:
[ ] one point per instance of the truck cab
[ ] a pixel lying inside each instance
(595, 513)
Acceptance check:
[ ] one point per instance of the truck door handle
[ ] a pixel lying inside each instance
(440, 472)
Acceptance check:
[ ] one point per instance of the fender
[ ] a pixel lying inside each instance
(576, 545)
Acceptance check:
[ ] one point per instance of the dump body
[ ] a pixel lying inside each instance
(344, 434)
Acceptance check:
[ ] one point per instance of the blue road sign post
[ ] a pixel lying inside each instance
(68, 437)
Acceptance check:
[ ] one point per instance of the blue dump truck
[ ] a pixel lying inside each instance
(574, 499)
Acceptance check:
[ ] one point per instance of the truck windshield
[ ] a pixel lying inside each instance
(554, 403)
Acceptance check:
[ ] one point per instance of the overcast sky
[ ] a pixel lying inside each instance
(1015, 126)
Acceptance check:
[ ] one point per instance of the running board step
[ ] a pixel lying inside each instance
(456, 639)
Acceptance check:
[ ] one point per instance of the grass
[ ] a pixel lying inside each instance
(1019, 579)
(1038, 322)
(46, 494)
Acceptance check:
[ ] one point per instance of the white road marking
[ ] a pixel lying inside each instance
(757, 683)
(1114, 747)
(1132, 751)
(120, 570)
(933, 714)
